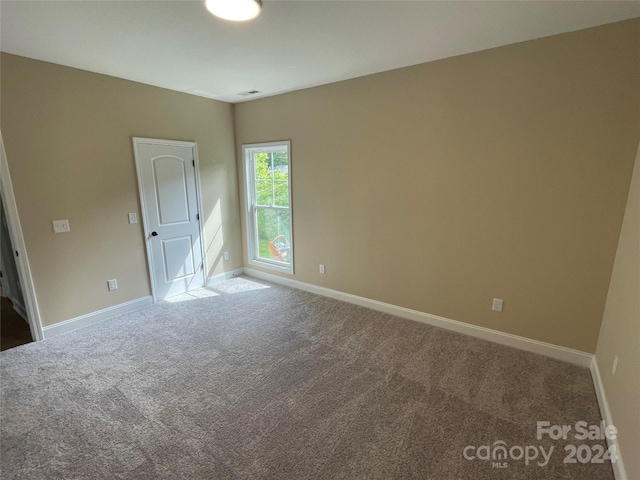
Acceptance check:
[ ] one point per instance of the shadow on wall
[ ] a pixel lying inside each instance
(214, 250)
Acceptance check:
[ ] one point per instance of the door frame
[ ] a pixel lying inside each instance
(17, 242)
(143, 210)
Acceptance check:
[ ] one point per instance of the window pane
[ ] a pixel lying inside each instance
(264, 192)
(281, 179)
(274, 237)
(281, 193)
(281, 164)
(262, 165)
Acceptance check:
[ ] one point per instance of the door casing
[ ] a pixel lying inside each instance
(18, 243)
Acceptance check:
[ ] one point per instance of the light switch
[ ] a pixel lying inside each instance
(133, 218)
(61, 226)
(497, 305)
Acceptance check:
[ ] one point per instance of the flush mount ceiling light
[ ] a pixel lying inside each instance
(234, 10)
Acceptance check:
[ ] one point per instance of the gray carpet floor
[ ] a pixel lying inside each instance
(250, 380)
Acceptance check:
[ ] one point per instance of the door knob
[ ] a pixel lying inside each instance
(154, 234)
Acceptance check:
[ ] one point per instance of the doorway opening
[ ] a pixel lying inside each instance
(14, 326)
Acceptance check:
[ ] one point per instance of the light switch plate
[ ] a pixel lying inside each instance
(497, 305)
(133, 218)
(61, 226)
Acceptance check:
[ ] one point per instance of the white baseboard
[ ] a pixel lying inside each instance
(95, 317)
(618, 467)
(221, 277)
(564, 354)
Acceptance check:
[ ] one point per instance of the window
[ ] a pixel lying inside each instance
(269, 205)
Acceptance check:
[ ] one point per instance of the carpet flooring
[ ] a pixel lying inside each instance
(250, 380)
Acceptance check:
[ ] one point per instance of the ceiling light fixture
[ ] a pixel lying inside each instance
(234, 10)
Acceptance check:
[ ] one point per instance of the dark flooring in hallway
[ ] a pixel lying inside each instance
(14, 330)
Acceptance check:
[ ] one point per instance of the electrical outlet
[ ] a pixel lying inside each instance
(497, 305)
(133, 218)
(61, 226)
(225, 255)
(322, 269)
(614, 367)
(113, 285)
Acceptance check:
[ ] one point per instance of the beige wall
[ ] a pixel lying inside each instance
(67, 135)
(437, 187)
(620, 333)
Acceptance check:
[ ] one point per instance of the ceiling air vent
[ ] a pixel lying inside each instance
(248, 93)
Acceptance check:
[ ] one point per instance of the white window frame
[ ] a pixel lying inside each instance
(252, 207)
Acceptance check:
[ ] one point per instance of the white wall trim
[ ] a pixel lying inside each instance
(564, 354)
(95, 317)
(17, 241)
(618, 467)
(221, 277)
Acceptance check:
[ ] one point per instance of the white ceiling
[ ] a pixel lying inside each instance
(292, 45)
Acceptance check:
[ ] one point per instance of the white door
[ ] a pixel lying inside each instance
(169, 195)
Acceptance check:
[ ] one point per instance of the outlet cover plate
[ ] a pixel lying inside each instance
(61, 226)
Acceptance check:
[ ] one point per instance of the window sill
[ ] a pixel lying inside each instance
(283, 268)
